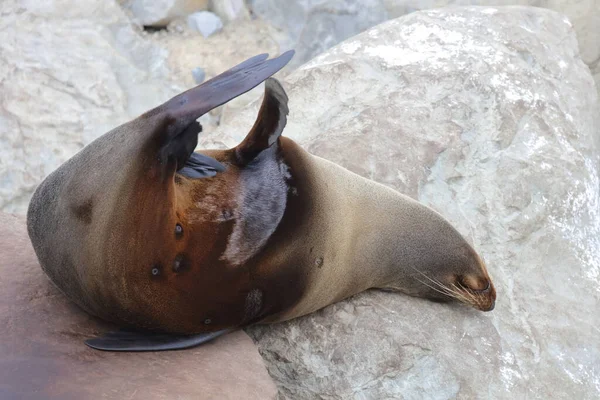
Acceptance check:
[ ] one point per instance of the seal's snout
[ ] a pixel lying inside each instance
(478, 291)
(490, 307)
(477, 284)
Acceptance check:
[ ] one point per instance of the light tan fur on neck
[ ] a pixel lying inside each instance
(367, 235)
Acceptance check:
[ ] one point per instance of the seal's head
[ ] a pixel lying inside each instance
(468, 283)
(438, 263)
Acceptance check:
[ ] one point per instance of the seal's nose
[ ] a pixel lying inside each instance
(482, 289)
(477, 284)
(491, 307)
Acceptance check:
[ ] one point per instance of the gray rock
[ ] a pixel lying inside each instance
(313, 26)
(199, 75)
(67, 75)
(584, 14)
(160, 12)
(230, 10)
(489, 116)
(205, 22)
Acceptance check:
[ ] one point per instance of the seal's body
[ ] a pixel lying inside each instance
(139, 230)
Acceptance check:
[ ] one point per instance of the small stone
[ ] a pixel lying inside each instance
(230, 10)
(199, 75)
(205, 22)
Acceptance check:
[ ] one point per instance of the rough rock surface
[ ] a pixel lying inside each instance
(313, 26)
(161, 12)
(44, 357)
(487, 115)
(65, 78)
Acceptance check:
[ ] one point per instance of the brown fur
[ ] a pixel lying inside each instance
(280, 233)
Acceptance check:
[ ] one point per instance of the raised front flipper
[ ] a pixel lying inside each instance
(177, 130)
(138, 341)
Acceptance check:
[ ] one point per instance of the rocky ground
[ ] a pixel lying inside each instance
(488, 114)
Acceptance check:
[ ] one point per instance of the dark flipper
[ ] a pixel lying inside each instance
(201, 166)
(272, 118)
(192, 104)
(126, 340)
(178, 136)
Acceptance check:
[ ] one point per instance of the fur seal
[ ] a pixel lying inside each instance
(184, 246)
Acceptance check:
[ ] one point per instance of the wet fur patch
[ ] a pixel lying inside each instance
(210, 204)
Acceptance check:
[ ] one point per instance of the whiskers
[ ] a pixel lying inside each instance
(462, 294)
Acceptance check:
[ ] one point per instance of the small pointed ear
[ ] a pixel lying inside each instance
(269, 124)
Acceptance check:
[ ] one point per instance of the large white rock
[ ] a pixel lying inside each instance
(312, 26)
(487, 115)
(161, 12)
(69, 71)
(584, 14)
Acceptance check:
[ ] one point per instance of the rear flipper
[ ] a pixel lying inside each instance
(129, 340)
